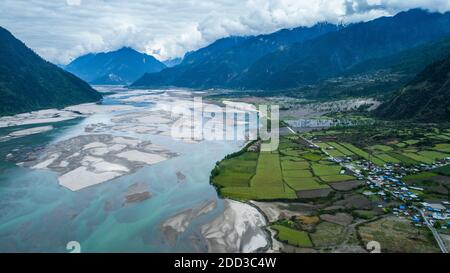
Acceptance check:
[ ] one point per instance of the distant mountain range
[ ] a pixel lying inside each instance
(172, 62)
(122, 66)
(293, 59)
(426, 98)
(223, 62)
(28, 82)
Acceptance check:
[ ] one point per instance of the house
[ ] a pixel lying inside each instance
(437, 207)
(438, 216)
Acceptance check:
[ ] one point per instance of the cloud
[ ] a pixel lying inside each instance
(62, 30)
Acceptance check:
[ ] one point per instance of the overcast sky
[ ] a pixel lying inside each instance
(60, 30)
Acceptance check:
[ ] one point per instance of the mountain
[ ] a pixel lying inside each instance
(425, 99)
(380, 76)
(172, 62)
(28, 82)
(334, 53)
(306, 59)
(122, 66)
(222, 62)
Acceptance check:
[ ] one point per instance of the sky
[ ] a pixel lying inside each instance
(61, 30)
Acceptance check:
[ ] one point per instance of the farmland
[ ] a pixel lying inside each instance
(292, 236)
(279, 175)
(408, 146)
(321, 205)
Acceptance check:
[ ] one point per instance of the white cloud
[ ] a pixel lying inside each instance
(62, 30)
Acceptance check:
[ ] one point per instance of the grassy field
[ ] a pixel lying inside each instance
(387, 158)
(388, 143)
(445, 170)
(327, 234)
(252, 177)
(292, 236)
(381, 148)
(330, 150)
(336, 178)
(341, 148)
(322, 170)
(397, 235)
(419, 158)
(406, 160)
(237, 171)
(268, 180)
(294, 165)
(442, 147)
(433, 155)
(312, 156)
(275, 175)
(305, 184)
(363, 154)
(422, 175)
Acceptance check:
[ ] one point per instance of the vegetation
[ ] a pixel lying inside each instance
(397, 235)
(327, 234)
(425, 99)
(278, 175)
(292, 236)
(27, 82)
(123, 66)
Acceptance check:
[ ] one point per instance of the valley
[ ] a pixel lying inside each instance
(338, 188)
(270, 131)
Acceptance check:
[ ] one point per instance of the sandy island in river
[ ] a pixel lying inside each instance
(88, 160)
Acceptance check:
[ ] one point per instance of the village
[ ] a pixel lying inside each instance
(385, 182)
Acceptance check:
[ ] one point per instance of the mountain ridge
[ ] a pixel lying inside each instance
(28, 82)
(122, 66)
(425, 99)
(222, 61)
(308, 61)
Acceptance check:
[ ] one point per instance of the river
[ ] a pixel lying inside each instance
(41, 210)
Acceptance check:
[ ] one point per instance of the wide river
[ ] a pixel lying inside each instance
(38, 214)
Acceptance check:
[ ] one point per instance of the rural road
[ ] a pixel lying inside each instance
(436, 235)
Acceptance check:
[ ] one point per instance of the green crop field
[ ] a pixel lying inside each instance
(291, 236)
(237, 171)
(291, 158)
(401, 144)
(445, 170)
(341, 148)
(320, 170)
(412, 141)
(312, 156)
(294, 165)
(268, 180)
(444, 147)
(304, 184)
(381, 148)
(387, 158)
(290, 152)
(297, 173)
(444, 137)
(422, 175)
(419, 158)
(363, 154)
(433, 155)
(330, 150)
(406, 160)
(336, 178)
